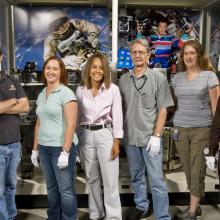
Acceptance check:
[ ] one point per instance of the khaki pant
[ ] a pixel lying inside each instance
(190, 145)
(95, 151)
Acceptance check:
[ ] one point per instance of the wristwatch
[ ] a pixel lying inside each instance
(157, 135)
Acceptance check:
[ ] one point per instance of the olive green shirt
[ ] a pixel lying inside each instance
(142, 99)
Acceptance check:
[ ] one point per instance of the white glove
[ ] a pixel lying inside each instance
(73, 61)
(153, 146)
(210, 162)
(63, 160)
(34, 158)
(93, 40)
(78, 159)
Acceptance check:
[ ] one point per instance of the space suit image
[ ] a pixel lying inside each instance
(179, 27)
(73, 39)
(215, 43)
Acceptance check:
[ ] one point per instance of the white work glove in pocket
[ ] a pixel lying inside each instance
(78, 159)
(210, 162)
(153, 146)
(34, 158)
(63, 160)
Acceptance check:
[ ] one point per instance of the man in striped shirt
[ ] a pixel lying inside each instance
(162, 43)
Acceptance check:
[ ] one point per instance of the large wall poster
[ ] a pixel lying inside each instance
(182, 24)
(3, 37)
(179, 22)
(71, 33)
(214, 50)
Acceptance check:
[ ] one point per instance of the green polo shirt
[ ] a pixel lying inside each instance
(142, 99)
(50, 112)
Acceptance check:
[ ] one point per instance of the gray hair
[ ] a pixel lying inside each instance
(141, 41)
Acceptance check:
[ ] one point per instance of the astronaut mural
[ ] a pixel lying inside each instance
(71, 33)
(214, 50)
(179, 26)
(180, 22)
(3, 37)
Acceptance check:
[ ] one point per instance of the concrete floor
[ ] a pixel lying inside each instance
(175, 179)
(208, 213)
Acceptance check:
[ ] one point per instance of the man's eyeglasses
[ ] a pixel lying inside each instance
(138, 52)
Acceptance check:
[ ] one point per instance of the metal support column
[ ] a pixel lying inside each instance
(114, 38)
(10, 36)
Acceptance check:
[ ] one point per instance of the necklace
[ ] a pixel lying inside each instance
(142, 85)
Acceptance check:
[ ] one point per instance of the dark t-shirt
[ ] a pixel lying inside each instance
(215, 132)
(9, 123)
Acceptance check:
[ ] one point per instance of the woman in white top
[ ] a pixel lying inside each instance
(99, 132)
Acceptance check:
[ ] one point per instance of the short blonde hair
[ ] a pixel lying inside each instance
(143, 42)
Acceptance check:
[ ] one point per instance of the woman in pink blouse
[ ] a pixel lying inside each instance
(99, 130)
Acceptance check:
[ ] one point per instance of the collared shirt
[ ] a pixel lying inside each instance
(104, 108)
(163, 46)
(50, 112)
(141, 107)
(9, 123)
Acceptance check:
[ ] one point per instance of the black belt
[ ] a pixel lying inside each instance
(96, 127)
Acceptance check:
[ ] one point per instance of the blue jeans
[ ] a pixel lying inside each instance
(138, 161)
(62, 203)
(10, 156)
